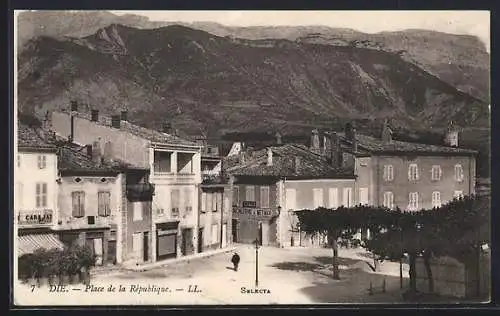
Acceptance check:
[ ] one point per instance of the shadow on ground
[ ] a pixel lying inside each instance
(355, 289)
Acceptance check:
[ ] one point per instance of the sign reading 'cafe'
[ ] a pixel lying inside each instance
(35, 217)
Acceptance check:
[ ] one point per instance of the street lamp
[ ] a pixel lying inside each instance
(256, 242)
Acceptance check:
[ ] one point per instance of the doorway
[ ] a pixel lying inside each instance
(187, 241)
(234, 230)
(145, 247)
(200, 239)
(224, 235)
(260, 234)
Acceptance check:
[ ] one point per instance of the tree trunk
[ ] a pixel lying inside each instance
(335, 263)
(413, 272)
(428, 269)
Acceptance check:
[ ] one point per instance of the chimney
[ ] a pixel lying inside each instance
(386, 133)
(108, 151)
(94, 115)
(74, 106)
(296, 164)
(269, 156)
(96, 152)
(350, 134)
(71, 137)
(123, 115)
(115, 121)
(451, 137)
(315, 141)
(242, 157)
(167, 127)
(278, 138)
(89, 150)
(335, 150)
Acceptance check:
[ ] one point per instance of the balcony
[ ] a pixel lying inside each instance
(210, 178)
(35, 218)
(140, 191)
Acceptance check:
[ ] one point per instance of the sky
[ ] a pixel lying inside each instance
(455, 22)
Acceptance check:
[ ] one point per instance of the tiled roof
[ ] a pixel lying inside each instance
(71, 158)
(32, 138)
(139, 131)
(311, 165)
(368, 144)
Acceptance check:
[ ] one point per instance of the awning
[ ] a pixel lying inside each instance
(32, 242)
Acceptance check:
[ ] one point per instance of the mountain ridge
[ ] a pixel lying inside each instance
(460, 60)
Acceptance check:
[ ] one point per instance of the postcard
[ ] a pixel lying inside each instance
(251, 157)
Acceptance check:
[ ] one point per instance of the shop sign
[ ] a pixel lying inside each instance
(35, 217)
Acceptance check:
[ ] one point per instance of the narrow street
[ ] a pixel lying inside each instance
(286, 276)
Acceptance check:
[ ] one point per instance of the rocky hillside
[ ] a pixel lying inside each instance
(196, 79)
(459, 60)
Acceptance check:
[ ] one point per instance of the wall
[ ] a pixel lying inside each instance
(139, 226)
(401, 186)
(27, 174)
(208, 218)
(126, 146)
(304, 200)
(91, 186)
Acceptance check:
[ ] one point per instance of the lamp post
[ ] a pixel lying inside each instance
(256, 262)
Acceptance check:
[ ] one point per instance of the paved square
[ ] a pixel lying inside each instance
(286, 276)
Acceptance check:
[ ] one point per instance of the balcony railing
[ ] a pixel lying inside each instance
(35, 218)
(140, 191)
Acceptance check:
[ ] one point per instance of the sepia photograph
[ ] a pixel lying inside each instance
(251, 158)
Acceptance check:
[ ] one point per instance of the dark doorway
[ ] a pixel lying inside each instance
(260, 234)
(111, 251)
(187, 241)
(234, 230)
(200, 239)
(145, 248)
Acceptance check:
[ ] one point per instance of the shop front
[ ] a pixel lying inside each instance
(166, 240)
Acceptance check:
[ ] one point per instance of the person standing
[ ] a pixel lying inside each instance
(235, 260)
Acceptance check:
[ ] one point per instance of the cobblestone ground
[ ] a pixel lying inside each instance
(286, 276)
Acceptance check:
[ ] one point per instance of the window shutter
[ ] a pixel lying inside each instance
(203, 201)
(82, 204)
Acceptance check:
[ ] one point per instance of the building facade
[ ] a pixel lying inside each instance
(35, 191)
(89, 199)
(215, 202)
(273, 183)
(166, 226)
(410, 176)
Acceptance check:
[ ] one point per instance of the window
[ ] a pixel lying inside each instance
(413, 172)
(333, 197)
(264, 197)
(137, 211)
(236, 196)
(41, 194)
(436, 199)
(291, 199)
(250, 193)
(218, 201)
(18, 161)
(436, 173)
(458, 194)
(459, 173)
(226, 204)
(162, 162)
(42, 162)
(174, 198)
(188, 200)
(19, 195)
(203, 202)
(137, 243)
(215, 234)
(389, 200)
(78, 198)
(347, 197)
(388, 173)
(317, 198)
(103, 203)
(413, 201)
(209, 202)
(363, 196)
